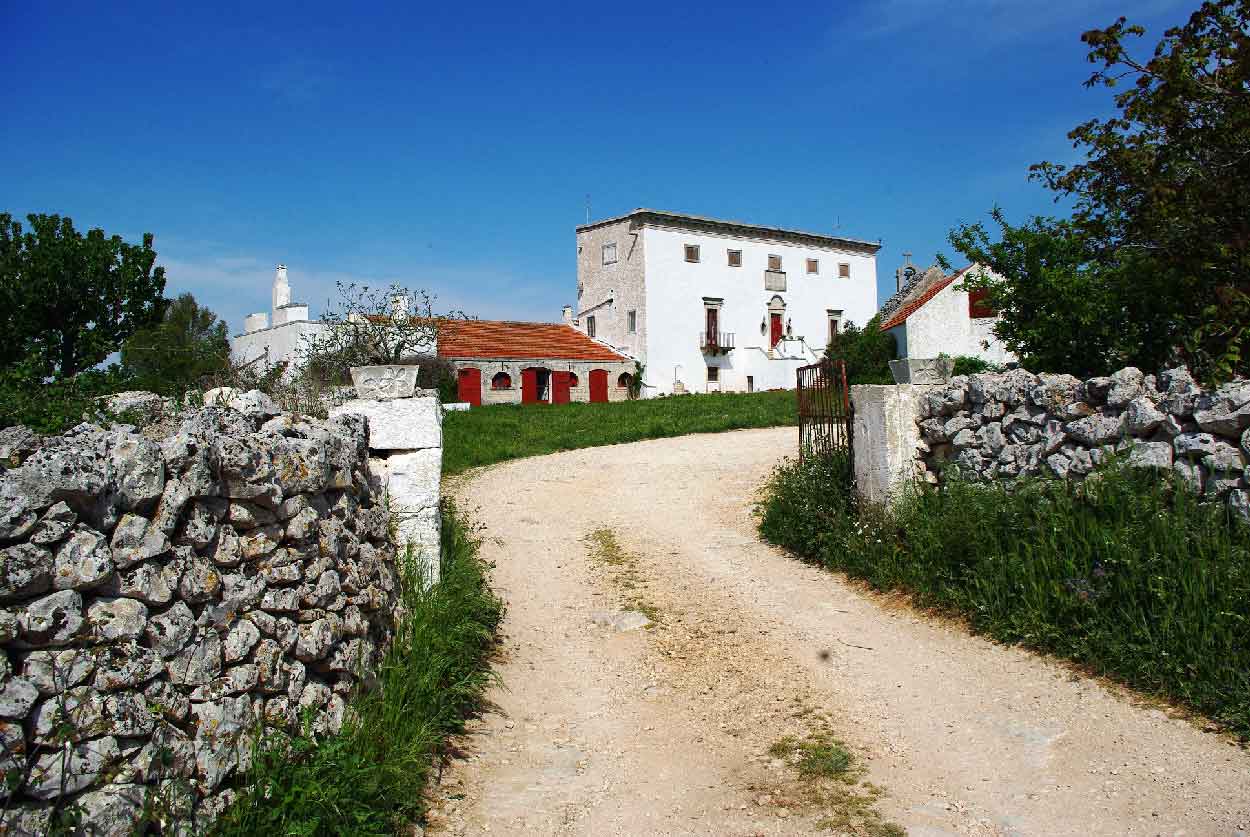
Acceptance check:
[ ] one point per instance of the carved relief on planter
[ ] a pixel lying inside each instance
(384, 383)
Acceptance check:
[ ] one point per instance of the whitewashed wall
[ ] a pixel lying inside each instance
(942, 326)
(675, 310)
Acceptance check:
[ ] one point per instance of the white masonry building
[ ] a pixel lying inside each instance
(282, 340)
(710, 305)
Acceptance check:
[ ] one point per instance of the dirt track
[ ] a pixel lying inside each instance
(666, 730)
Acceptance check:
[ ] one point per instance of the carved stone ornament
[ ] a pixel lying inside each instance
(384, 383)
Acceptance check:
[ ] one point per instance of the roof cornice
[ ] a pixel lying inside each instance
(674, 220)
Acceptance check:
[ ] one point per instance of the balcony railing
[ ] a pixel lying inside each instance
(716, 342)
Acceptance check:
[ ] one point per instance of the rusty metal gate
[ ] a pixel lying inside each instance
(824, 409)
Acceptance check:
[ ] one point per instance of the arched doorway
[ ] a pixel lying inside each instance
(776, 320)
(598, 385)
(469, 386)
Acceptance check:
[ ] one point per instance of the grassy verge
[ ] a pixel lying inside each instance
(485, 435)
(1129, 575)
(368, 779)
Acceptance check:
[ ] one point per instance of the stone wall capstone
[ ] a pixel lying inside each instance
(162, 597)
(1011, 424)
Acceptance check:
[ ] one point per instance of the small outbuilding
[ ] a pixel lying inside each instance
(932, 315)
(504, 362)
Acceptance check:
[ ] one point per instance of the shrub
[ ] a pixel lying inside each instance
(1128, 574)
(867, 352)
(369, 778)
(973, 365)
(54, 405)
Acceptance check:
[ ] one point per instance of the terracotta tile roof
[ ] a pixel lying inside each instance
(910, 306)
(503, 339)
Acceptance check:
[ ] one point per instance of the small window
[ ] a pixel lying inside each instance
(735, 258)
(713, 374)
(844, 270)
(590, 326)
(750, 383)
(624, 380)
(692, 252)
(502, 380)
(813, 265)
(978, 304)
(632, 321)
(609, 253)
(774, 262)
(833, 329)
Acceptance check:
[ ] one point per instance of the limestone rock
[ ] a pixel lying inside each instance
(114, 619)
(53, 620)
(125, 665)
(242, 638)
(52, 672)
(135, 540)
(1096, 429)
(54, 525)
(1151, 455)
(137, 470)
(17, 698)
(17, 513)
(16, 444)
(401, 424)
(83, 561)
(72, 768)
(221, 738)
(169, 632)
(25, 570)
(112, 811)
(197, 663)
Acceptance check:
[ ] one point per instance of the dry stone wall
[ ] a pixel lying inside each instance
(161, 597)
(1006, 425)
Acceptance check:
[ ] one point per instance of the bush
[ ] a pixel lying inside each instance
(437, 373)
(972, 365)
(369, 778)
(57, 404)
(1128, 574)
(867, 352)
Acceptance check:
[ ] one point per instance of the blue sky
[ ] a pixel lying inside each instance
(453, 146)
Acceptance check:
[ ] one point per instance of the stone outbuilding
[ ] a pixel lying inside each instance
(503, 362)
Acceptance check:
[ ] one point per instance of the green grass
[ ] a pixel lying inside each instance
(369, 778)
(1129, 575)
(485, 435)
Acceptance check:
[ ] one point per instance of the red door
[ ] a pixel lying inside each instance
(711, 328)
(561, 383)
(469, 386)
(774, 321)
(529, 386)
(598, 385)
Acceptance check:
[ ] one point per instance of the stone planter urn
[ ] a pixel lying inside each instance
(922, 370)
(384, 383)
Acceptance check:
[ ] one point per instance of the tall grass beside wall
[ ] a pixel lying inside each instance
(369, 778)
(1128, 574)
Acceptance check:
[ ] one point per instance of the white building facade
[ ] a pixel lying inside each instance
(269, 343)
(709, 305)
(933, 315)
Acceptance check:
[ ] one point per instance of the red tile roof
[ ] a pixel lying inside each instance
(503, 339)
(912, 305)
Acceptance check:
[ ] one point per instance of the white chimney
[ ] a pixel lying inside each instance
(255, 322)
(399, 307)
(281, 290)
(567, 314)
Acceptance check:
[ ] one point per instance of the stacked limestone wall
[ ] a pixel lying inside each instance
(160, 597)
(1001, 426)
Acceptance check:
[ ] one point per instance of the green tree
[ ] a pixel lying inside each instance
(188, 344)
(68, 301)
(867, 352)
(1159, 240)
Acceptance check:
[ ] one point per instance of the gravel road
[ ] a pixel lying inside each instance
(666, 730)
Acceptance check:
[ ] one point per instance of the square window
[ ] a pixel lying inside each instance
(609, 253)
(633, 321)
(590, 326)
(844, 270)
(735, 258)
(713, 374)
(774, 262)
(813, 265)
(692, 252)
